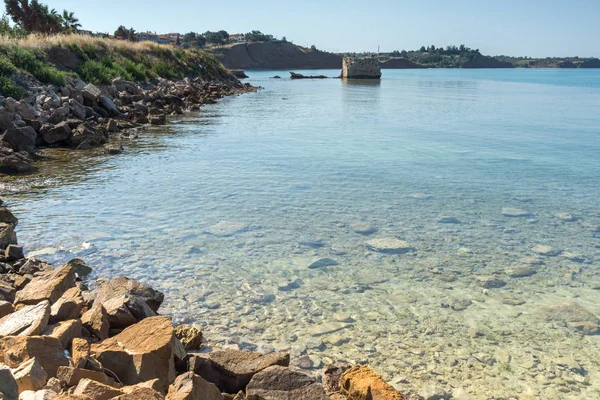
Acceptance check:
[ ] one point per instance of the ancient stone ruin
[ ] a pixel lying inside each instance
(361, 68)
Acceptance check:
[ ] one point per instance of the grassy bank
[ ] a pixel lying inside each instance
(50, 59)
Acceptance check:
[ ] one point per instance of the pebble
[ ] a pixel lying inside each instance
(388, 245)
(490, 282)
(544, 250)
(326, 328)
(363, 229)
(448, 220)
(520, 272)
(323, 262)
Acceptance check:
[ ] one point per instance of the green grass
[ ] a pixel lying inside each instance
(34, 63)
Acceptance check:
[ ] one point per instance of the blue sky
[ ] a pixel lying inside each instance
(535, 28)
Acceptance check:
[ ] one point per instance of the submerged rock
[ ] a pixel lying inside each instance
(520, 272)
(363, 229)
(323, 262)
(515, 212)
(448, 220)
(545, 250)
(226, 228)
(389, 245)
(571, 314)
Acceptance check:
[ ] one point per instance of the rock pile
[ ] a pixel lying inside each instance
(61, 340)
(80, 116)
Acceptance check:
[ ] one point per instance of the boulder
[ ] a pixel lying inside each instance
(8, 384)
(20, 139)
(107, 103)
(192, 387)
(95, 320)
(7, 217)
(515, 212)
(12, 161)
(6, 308)
(362, 383)
(117, 313)
(28, 321)
(80, 351)
(49, 286)
(571, 314)
(65, 331)
(153, 384)
(68, 306)
(126, 86)
(70, 376)
(283, 383)
(7, 235)
(13, 252)
(389, 245)
(7, 291)
(144, 351)
(77, 109)
(30, 375)
(120, 286)
(14, 350)
(86, 133)
(96, 390)
(55, 133)
(189, 336)
(91, 94)
(80, 267)
(231, 370)
(59, 114)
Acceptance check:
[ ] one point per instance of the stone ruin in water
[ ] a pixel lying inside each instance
(361, 68)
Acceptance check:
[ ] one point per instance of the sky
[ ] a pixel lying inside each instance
(535, 28)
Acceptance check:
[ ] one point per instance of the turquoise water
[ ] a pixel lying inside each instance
(295, 167)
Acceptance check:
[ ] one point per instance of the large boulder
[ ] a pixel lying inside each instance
(283, 383)
(7, 217)
(192, 387)
(7, 235)
(13, 161)
(88, 134)
(189, 336)
(30, 375)
(68, 306)
(96, 390)
(55, 133)
(120, 286)
(141, 352)
(91, 94)
(28, 321)
(362, 383)
(571, 314)
(8, 385)
(23, 108)
(21, 139)
(15, 350)
(70, 376)
(126, 310)
(95, 320)
(65, 331)
(49, 286)
(231, 370)
(107, 103)
(77, 109)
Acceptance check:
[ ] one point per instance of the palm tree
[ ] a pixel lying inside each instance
(69, 22)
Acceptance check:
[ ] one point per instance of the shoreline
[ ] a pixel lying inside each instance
(61, 340)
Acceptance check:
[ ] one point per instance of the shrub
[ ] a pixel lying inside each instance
(8, 88)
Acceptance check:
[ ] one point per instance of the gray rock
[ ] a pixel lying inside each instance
(520, 272)
(448, 220)
(107, 103)
(545, 250)
(572, 314)
(77, 109)
(91, 93)
(55, 133)
(363, 229)
(490, 282)
(8, 384)
(20, 139)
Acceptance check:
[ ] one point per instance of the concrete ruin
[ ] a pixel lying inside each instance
(361, 68)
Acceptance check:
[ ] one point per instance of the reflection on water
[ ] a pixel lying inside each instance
(254, 218)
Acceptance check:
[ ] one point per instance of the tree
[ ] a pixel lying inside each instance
(257, 36)
(218, 38)
(69, 22)
(193, 40)
(33, 16)
(422, 49)
(127, 34)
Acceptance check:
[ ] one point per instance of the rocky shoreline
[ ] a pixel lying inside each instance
(81, 115)
(59, 339)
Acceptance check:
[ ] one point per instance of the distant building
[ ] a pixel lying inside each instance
(237, 38)
(168, 38)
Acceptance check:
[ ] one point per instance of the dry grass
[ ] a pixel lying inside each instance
(42, 42)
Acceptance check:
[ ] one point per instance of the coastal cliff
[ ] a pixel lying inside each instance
(485, 62)
(400, 63)
(276, 55)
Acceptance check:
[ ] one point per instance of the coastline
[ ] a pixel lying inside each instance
(59, 339)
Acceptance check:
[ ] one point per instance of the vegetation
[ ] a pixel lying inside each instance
(100, 61)
(35, 17)
(440, 57)
(193, 40)
(257, 36)
(217, 38)
(128, 34)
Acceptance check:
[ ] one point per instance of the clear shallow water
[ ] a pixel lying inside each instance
(299, 164)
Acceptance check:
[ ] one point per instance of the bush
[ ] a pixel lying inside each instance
(163, 70)
(8, 88)
(33, 63)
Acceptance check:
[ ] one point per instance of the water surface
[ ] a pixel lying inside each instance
(299, 167)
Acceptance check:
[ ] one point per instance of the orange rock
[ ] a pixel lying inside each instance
(362, 383)
(70, 376)
(14, 350)
(48, 286)
(142, 394)
(80, 350)
(95, 390)
(144, 351)
(65, 331)
(96, 321)
(190, 386)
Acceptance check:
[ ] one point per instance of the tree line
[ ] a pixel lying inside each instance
(31, 16)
